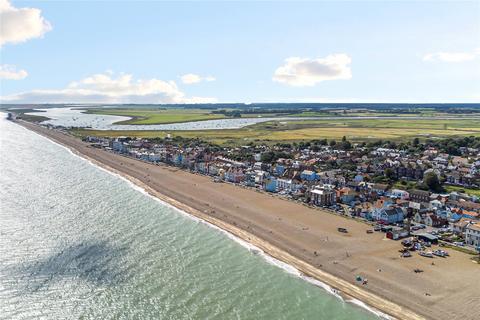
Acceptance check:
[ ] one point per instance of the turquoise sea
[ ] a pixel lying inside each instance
(77, 242)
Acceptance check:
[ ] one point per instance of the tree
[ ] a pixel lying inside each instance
(323, 142)
(390, 174)
(267, 156)
(432, 182)
(416, 142)
(346, 145)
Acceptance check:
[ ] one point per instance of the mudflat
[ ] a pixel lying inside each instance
(308, 239)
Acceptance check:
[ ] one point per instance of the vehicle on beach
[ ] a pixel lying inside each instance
(342, 230)
(369, 231)
(377, 227)
(406, 254)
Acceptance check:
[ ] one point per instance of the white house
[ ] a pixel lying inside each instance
(323, 197)
(460, 226)
(284, 184)
(472, 235)
(401, 194)
(154, 157)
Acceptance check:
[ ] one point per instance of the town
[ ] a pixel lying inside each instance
(427, 189)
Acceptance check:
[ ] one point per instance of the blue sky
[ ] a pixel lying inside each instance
(112, 52)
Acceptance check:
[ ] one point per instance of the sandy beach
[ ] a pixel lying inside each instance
(308, 239)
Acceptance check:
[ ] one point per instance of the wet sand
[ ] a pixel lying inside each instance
(308, 239)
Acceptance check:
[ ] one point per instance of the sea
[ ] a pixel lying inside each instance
(77, 242)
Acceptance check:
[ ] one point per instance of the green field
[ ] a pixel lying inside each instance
(159, 116)
(472, 192)
(22, 114)
(177, 115)
(296, 130)
(164, 115)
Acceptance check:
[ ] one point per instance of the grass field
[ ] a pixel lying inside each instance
(159, 116)
(472, 192)
(354, 130)
(176, 115)
(172, 115)
(22, 114)
(437, 124)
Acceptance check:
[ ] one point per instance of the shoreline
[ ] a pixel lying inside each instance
(348, 291)
(250, 241)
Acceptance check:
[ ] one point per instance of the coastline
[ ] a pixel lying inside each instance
(250, 242)
(254, 244)
(347, 290)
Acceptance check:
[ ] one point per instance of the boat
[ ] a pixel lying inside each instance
(343, 230)
(440, 253)
(406, 254)
(426, 254)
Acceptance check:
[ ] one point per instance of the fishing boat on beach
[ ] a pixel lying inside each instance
(426, 254)
(440, 253)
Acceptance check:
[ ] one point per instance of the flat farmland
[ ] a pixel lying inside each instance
(297, 130)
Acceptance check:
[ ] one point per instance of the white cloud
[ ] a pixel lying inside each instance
(210, 78)
(451, 56)
(21, 24)
(191, 78)
(106, 88)
(302, 72)
(10, 72)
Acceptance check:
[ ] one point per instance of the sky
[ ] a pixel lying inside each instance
(202, 52)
